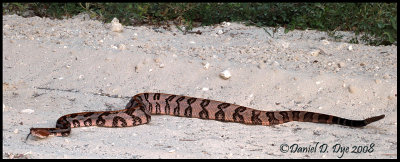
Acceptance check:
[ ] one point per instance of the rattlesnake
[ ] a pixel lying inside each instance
(141, 106)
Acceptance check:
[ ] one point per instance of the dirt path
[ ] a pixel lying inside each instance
(56, 67)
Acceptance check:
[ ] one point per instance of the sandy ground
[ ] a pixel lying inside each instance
(56, 67)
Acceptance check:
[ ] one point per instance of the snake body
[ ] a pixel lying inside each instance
(141, 106)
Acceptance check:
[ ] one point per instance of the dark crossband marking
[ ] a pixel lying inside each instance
(285, 116)
(136, 120)
(188, 110)
(220, 115)
(100, 121)
(236, 116)
(271, 118)
(118, 119)
(146, 97)
(177, 108)
(76, 123)
(322, 118)
(296, 115)
(156, 96)
(88, 114)
(88, 122)
(308, 117)
(143, 109)
(167, 106)
(204, 112)
(255, 117)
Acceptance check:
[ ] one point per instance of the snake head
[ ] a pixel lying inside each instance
(39, 132)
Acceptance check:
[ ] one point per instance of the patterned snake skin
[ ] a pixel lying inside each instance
(140, 108)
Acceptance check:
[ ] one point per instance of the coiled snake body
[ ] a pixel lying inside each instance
(141, 106)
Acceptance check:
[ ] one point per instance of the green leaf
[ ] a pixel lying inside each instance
(391, 39)
(393, 21)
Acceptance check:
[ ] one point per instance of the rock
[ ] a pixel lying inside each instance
(378, 81)
(220, 32)
(226, 74)
(205, 89)
(226, 23)
(161, 65)
(116, 26)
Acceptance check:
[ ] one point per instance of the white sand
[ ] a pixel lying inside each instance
(76, 59)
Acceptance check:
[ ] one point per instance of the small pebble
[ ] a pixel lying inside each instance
(27, 111)
(378, 81)
(315, 52)
(121, 47)
(206, 65)
(16, 131)
(226, 23)
(350, 48)
(325, 42)
(137, 67)
(352, 89)
(261, 65)
(285, 44)
(161, 65)
(115, 47)
(341, 64)
(220, 32)
(205, 89)
(386, 76)
(116, 26)
(226, 74)
(145, 61)
(157, 60)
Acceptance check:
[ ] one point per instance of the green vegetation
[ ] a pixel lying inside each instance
(375, 22)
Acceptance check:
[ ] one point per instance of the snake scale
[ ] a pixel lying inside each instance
(141, 106)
